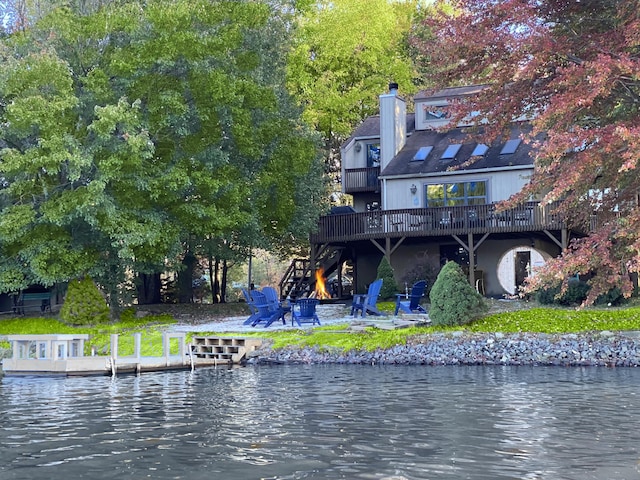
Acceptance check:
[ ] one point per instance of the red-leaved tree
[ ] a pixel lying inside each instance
(573, 66)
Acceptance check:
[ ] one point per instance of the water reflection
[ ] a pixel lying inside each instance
(325, 422)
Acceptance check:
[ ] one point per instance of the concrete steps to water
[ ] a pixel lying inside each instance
(221, 350)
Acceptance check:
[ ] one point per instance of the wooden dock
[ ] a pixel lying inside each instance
(64, 355)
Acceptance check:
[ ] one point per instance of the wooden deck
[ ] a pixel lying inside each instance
(434, 222)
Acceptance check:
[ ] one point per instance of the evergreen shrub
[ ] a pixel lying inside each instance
(84, 304)
(389, 285)
(453, 300)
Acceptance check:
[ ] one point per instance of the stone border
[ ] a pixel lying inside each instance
(606, 349)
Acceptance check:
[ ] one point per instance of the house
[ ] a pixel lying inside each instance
(418, 194)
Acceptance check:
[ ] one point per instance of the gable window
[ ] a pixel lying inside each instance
(435, 113)
(453, 194)
(373, 154)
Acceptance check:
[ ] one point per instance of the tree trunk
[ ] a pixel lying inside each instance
(223, 282)
(216, 283)
(211, 280)
(148, 287)
(185, 279)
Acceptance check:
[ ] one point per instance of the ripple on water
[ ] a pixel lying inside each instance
(320, 422)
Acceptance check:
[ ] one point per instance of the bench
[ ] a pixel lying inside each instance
(23, 302)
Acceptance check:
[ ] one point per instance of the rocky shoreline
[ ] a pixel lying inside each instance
(604, 349)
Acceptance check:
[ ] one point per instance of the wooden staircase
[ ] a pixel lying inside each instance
(300, 276)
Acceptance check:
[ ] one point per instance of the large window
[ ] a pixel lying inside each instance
(452, 194)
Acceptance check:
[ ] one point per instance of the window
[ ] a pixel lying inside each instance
(373, 154)
(435, 113)
(480, 150)
(422, 154)
(452, 194)
(451, 152)
(510, 147)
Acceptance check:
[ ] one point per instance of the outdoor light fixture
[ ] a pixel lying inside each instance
(358, 147)
(413, 189)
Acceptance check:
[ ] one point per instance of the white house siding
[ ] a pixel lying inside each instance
(501, 185)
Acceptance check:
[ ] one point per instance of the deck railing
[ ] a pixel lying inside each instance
(361, 180)
(437, 221)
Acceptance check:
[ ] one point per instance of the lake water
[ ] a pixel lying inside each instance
(325, 422)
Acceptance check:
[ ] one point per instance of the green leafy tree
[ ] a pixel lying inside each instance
(453, 299)
(389, 284)
(134, 131)
(345, 54)
(573, 67)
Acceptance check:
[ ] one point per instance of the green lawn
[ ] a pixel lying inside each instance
(336, 337)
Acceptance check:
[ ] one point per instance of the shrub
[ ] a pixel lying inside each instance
(421, 269)
(453, 300)
(84, 304)
(389, 285)
(613, 297)
(576, 293)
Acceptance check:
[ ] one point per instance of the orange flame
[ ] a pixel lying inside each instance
(321, 289)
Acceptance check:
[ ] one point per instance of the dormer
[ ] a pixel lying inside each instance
(431, 108)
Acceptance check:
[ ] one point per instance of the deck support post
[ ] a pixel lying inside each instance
(471, 248)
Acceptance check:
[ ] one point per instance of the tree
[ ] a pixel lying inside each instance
(573, 67)
(137, 131)
(453, 300)
(345, 54)
(84, 304)
(389, 284)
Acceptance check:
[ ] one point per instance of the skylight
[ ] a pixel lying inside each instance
(480, 150)
(451, 151)
(423, 153)
(510, 147)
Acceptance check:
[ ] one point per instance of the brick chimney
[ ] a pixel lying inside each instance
(393, 125)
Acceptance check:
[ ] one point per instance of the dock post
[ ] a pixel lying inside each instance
(191, 361)
(114, 353)
(166, 347)
(137, 337)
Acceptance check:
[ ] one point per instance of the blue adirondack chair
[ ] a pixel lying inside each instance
(366, 303)
(268, 312)
(304, 311)
(273, 298)
(412, 303)
(252, 307)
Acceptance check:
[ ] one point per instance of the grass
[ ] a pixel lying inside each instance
(533, 320)
(337, 337)
(151, 328)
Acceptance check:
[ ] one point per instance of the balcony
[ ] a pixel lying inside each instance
(433, 222)
(358, 180)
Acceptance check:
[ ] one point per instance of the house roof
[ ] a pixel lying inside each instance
(450, 92)
(404, 164)
(370, 127)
